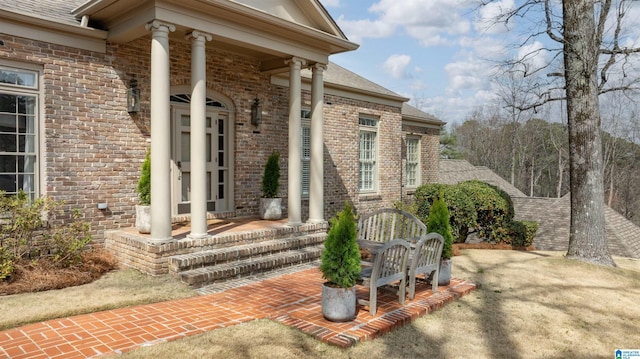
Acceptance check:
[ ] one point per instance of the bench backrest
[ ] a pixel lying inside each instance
(389, 223)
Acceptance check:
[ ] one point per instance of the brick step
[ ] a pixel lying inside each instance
(203, 276)
(189, 261)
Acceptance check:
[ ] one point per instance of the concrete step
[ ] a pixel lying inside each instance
(203, 276)
(213, 257)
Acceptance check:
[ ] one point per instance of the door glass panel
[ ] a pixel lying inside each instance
(186, 187)
(185, 147)
(209, 186)
(185, 121)
(208, 147)
(221, 184)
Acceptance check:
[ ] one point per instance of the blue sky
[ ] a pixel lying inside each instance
(439, 53)
(426, 50)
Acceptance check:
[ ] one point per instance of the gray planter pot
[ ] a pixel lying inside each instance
(143, 219)
(270, 208)
(444, 274)
(338, 304)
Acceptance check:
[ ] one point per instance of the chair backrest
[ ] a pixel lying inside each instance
(389, 223)
(390, 264)
(427, 253)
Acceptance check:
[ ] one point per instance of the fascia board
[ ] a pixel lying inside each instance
(32, 27)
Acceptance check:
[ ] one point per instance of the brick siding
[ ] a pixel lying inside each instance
(93, 148)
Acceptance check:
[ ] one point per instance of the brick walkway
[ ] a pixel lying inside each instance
(293, 299)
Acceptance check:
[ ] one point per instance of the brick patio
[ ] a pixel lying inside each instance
(293, 299)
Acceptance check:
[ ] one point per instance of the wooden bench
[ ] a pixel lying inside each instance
(426, 260)
(389, 223)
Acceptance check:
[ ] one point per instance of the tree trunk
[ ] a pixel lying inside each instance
(560, 172)
(587, 241)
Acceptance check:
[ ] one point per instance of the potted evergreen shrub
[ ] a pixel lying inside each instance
(270, 203)
(143, 210)
(340, 266)
(438, 221)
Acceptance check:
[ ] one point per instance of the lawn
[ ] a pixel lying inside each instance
(529, 305)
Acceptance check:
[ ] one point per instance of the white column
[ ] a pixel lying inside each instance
(316, 183)
(295, 173)
(160, 132)
(198, 134)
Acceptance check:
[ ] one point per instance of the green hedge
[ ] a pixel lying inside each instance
(475, 206)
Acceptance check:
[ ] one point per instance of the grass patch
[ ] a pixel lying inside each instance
(529, 305)
(116, 289)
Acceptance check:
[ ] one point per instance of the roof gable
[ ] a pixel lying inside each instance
(308, 13)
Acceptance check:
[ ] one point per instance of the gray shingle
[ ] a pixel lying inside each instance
(54, 10)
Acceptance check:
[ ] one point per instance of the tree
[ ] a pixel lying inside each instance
(590, 34)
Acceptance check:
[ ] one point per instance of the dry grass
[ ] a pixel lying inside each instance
(530, 305)
(115, 289)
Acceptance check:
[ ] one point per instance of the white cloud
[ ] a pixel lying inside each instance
(357, 30)
(467, 75)
(533, 57)
(396, 66)
(331, 3)
(489, 14)
(428, 21)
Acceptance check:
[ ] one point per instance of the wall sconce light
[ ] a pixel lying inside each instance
(133, 97)
(256, 112)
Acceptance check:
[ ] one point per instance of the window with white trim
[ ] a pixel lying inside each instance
(368, 173)
(305, 158)
(413, 161)
(18, 132)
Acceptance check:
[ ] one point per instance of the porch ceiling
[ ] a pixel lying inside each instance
(235, 27)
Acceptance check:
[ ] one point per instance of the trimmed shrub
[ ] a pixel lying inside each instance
(271, 176)
(463, 215)
(493, 206)
(341, 256)
(438, 222)
(144, 183)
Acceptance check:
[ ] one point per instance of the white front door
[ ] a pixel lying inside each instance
(217, 165)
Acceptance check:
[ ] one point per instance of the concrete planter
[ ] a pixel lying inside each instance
(444, 274)
(270, 208)
(338, 304)
(143, 219)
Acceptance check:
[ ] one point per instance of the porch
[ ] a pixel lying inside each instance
(234, 247)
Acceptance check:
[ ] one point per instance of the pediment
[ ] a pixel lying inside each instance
(308, 13)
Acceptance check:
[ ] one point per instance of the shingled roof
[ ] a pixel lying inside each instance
(52, 10)
(552, 214)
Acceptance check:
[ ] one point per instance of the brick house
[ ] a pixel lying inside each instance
(220, 84)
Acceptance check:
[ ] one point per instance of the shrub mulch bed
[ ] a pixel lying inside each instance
(43, 275)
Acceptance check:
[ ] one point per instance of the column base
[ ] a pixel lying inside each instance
(198, 236)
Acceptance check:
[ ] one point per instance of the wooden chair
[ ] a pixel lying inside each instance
(426, 260)
(389, 223)
(390, 265)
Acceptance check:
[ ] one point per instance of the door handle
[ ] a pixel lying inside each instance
(179, 163)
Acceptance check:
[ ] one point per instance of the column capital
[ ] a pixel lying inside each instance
(199, 35)
(296, 61)
(157, 25)
(319, 66)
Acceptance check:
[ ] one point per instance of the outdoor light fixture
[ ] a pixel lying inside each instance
(256, 112)
(133, 97)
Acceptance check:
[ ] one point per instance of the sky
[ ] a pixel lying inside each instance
(442, 54)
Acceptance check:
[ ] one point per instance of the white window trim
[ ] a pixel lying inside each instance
(37, 91)
(417, 162)
(376, 161)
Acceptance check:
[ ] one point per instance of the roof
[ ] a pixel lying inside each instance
(52, 10)
(414, 114)
(456, 171)
(552, 214)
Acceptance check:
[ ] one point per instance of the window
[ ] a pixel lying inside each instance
(368, 155)
(413, 161)
(18, 105)
(305, 123)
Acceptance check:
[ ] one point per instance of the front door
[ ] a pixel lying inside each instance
(216, 157)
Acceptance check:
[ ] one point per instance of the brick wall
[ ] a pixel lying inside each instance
(93, 148)
(429, 155)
